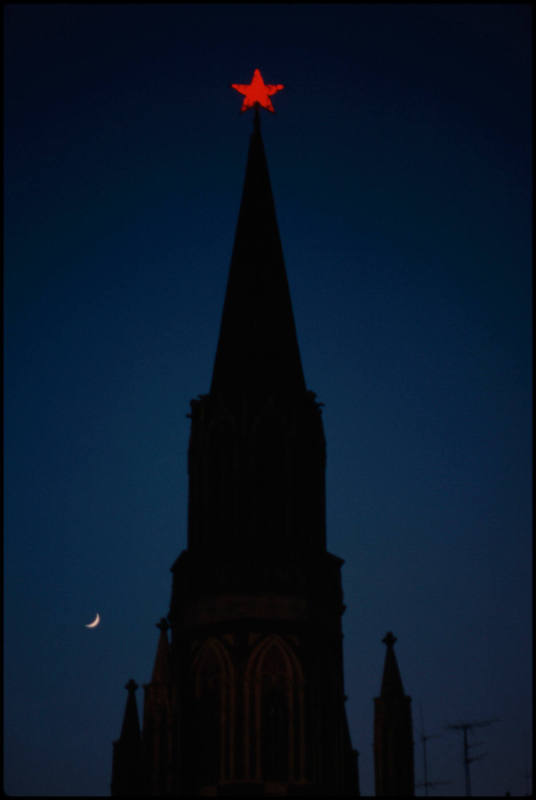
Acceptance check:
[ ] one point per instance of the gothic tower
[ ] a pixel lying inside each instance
(393, 732)
(247, 696)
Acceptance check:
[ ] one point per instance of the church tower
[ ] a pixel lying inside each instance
(247, 695)
(393, 732)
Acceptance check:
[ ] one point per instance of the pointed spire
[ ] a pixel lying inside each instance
(157, 692)
(157, 715)
(161, 669)
(257, 347)
(127, 766)
(393, 732)
(130, 732)
(391, 682)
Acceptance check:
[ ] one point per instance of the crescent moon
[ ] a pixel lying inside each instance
(95, 622)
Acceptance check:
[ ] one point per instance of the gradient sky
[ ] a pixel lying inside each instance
(400, 159)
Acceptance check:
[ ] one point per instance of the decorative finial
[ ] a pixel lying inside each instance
(131, 686)
(163, 625)
(389, 639)
(257, 92)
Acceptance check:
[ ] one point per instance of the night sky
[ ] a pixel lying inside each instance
(400, 160)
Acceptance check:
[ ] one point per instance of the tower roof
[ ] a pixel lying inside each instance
(130, 731)
(161, 669)
(257, 348)
(127, 768)
(391, 682)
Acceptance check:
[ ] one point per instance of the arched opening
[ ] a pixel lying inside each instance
(274, 712)
(275, 695)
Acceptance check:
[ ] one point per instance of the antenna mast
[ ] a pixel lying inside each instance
(466, 726)
(424, 738)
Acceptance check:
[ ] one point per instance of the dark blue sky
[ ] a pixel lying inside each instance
(400, 159)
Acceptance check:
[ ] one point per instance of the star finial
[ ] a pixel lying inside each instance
(257, 92)
(389, 639)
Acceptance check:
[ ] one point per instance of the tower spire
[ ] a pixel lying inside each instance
(391, 681)
(393, 731)
(257, 348)
(161, 670)
(127, 767)
(157, 718)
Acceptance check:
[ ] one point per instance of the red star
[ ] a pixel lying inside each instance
(257, 92)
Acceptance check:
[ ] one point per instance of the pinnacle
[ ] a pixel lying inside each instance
(257, 348)
(391, 682)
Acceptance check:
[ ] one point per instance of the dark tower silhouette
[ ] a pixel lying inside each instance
(127, 770)
(248, 695)
(393, 732)
(158, 720)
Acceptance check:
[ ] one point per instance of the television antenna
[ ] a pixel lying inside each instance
(467, 759)
(424, 738)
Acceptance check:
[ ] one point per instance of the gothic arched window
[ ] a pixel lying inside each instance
(275, 686)
(274, 738)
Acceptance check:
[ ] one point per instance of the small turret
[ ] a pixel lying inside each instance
(157, 718)
(127, 766)
(162, 667)
(393, 731)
